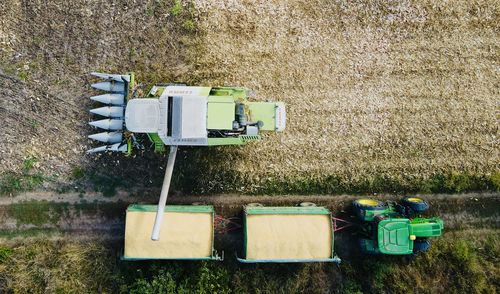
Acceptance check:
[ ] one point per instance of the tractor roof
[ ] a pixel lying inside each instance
(394, 236)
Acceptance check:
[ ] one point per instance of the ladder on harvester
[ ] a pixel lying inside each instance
(158, 143)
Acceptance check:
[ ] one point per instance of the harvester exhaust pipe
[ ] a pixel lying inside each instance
(155, 236)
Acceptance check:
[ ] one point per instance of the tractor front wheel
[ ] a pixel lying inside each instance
(417, 205)
(361, 206)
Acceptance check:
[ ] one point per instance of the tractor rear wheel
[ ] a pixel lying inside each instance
(365, 204)
(417, 205)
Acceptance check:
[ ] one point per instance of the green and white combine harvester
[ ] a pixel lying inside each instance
(178, 115)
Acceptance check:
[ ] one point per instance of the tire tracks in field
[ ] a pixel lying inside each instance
(91, 213)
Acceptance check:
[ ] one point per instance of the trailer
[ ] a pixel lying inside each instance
(288, 234)
(187, 233)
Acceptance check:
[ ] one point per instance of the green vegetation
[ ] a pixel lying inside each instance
(195, 181)
(460, 262)
(37, 212)
(195, 278)
(176, 9)
(34, 124)
(495, 180)
(106, 183)
(27, 180)
(5, 253)
(77, 173)
(43, 212)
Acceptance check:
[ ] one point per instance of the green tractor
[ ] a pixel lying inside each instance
(395, 228)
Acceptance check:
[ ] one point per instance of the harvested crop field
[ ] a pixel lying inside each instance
(384, 97)
(381, 96)
(397, 90)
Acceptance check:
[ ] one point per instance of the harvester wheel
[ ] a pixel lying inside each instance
(307, 204)
(255, 204)
(421, 245)
(416, 204)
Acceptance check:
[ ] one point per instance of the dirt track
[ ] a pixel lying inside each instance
(66, 213)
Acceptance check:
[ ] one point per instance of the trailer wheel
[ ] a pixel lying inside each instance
(307, 204)
(421, 245)
(416, 204)
(255, 204)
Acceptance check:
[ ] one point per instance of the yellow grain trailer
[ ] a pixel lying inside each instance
(288, 234)
(187, 233)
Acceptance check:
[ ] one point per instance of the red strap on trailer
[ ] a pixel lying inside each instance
(340, 224)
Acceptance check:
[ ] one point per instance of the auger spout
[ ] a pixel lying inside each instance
(155, 236)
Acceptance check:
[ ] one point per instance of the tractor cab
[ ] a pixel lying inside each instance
(394, 236)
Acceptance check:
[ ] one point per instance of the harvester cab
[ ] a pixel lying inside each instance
(178, 115)
(395, 228)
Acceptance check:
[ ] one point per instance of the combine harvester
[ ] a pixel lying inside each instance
(179, 115)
